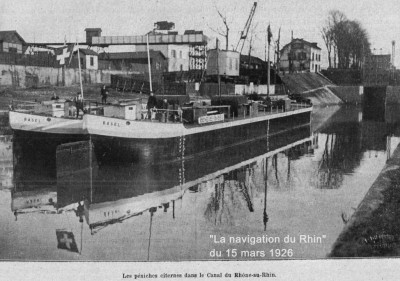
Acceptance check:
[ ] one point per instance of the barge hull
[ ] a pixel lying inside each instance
(159, 150)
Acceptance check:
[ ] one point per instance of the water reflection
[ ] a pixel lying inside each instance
(346, 140)
(6, 162)
(292, 183)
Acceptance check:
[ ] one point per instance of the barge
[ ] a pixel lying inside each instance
(188, 131)
(128, 132)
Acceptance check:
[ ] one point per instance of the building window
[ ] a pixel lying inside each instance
(91, 61)
(181, 67)
(81, 61)
(173, 53)
(312, 56)
(158, 65)
(180, 54)
(230, 64)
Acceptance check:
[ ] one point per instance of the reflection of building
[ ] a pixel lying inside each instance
(300, 55)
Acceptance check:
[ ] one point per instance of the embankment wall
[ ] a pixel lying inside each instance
(322, 96)
(348, 94)
(33, 76)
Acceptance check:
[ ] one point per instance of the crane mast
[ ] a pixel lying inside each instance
(245, 31)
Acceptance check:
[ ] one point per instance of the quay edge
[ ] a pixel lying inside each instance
(374, 228)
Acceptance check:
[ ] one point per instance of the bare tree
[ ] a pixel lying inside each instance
(327, 35)
(225, 32)
(334, 18)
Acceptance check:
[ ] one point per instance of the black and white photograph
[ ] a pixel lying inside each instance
(187, 140)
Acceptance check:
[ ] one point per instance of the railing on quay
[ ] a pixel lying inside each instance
(39, 108)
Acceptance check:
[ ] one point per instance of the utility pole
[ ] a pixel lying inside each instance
(268, 65)
(218, 77)
(278, 52)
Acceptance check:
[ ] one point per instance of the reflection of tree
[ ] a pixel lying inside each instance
(342, 154)
(232, 193)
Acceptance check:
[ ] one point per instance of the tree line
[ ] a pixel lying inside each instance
(347, 42)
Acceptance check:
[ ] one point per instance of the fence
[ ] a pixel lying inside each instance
(39, 59)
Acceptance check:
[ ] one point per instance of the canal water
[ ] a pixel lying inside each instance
(288, 196)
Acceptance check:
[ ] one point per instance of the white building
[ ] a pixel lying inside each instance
(89, 59)
(177, 55)
(300, 55)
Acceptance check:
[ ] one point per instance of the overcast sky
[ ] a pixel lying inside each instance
(51, 20)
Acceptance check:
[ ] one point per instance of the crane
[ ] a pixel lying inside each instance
(245, 31)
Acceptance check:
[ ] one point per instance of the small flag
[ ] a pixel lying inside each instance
(269, 34)
(64, 54)
(66, 240)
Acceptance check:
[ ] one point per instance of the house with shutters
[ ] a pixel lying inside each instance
(300, 56)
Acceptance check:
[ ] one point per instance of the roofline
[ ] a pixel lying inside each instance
(151, 51)
(19, 36)
(304, 41)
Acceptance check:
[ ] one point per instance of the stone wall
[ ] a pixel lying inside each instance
(34, 76)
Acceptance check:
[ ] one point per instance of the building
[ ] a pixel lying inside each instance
(188, 55)
(382, 62)
(184, 52)
(300, 55)
(136, 62)
(178, 56)
(254, 69)
(227, 65)
(11, 42)
(377, 70)
(89, 59)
